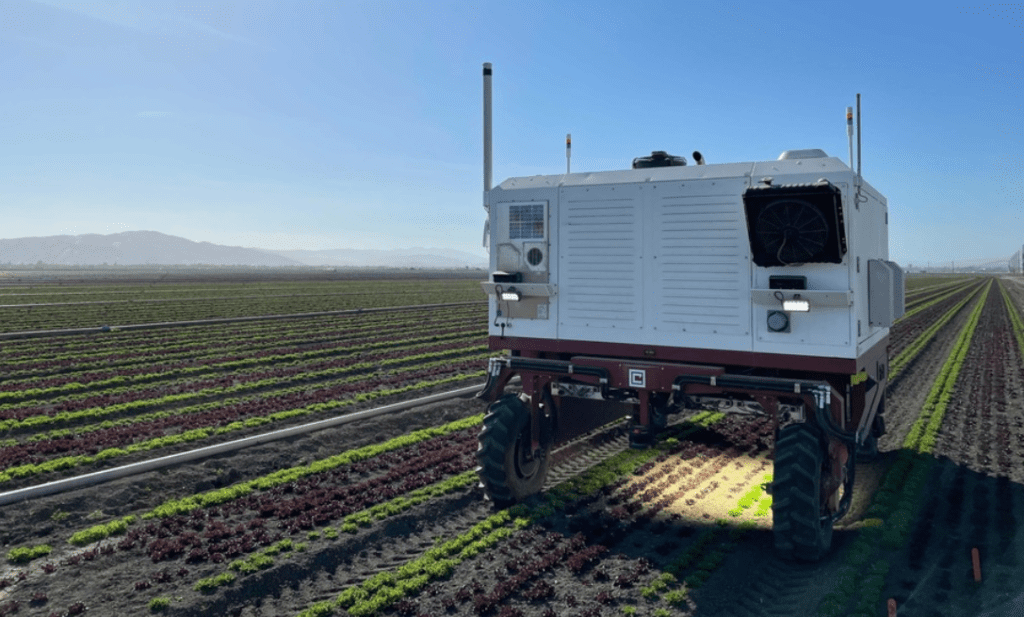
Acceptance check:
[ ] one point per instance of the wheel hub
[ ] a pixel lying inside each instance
(526, 463)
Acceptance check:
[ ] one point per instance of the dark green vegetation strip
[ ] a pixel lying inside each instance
(903, 359)
(1015, 320)
(219, 496)
(255, 365)
(209, 343)
(186, 303)
(381, 591)
(916, 307)
(862, 577)
(308, 330)
(194, 435)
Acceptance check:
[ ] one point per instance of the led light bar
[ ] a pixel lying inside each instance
(796, 305)
(511, 296)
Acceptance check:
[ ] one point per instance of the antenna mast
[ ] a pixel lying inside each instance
(568, 150)
(487, 133)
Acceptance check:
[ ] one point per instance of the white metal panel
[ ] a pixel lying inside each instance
(601, 256)
(653, 256)
(631, 176)
(541, 192)
(823, 332)
(701, 269)
(881, 288)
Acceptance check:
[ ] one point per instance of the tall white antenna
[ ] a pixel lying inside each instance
(487, 132)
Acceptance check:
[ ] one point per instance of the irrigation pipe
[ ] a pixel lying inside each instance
(97, 477)
(223, 320)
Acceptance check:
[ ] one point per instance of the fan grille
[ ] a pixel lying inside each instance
(792, 230)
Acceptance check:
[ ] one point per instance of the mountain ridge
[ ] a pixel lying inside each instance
(131, 248)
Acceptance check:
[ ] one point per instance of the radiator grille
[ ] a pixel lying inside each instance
(700, 264)
(601, 261)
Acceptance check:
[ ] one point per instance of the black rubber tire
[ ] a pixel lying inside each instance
(801, 527)
(505, 474)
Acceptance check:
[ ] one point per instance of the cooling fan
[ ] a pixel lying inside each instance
(794, 231)
(795, 224)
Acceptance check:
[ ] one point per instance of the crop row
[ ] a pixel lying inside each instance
(309, 357)
(922, 304)
(189, 378)
(984, 404)
(239, 529)
(520, 559)
(247, 521)
(264, 499)
(100, 291)
(269, 392)
(528, 553)
(1015, 320)
(693, 566)
(911, 351)
(21, 302)
(203, 429)
(204, 342)
(85, 319)
(111, 404)
(915, 284)
(914, 301)
(92, 439)
(862, 577)
(419, 449)
(312, 328)
(387, 588)
(116, 401)
(71, 316)
(906, 330)
(921, 437)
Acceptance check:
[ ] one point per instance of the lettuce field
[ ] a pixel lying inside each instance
(384, 516)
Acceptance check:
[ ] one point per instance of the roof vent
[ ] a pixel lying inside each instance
(814, 153)
(658, 158)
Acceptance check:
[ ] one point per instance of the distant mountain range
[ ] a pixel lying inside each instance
(136, 248)
(397, 258)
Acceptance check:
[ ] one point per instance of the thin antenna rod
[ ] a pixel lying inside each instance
(568, 150)
(487, 132)
(858, 136)
(849, 132)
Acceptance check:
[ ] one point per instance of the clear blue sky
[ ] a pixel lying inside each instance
(292, 124)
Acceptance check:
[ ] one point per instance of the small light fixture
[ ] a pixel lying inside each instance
(796, 304)
(512, 295)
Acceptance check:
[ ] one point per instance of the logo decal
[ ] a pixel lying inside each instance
(637, 378)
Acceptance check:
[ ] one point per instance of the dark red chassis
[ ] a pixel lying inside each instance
(844, 395)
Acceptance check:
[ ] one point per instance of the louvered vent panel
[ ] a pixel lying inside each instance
(701, 265)
(601, 264)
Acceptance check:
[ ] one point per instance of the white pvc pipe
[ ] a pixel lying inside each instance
(106, 475)
(487, 132)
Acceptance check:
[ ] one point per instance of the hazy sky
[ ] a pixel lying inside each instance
(293, 124)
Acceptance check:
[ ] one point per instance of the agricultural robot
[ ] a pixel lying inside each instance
(758, 288)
